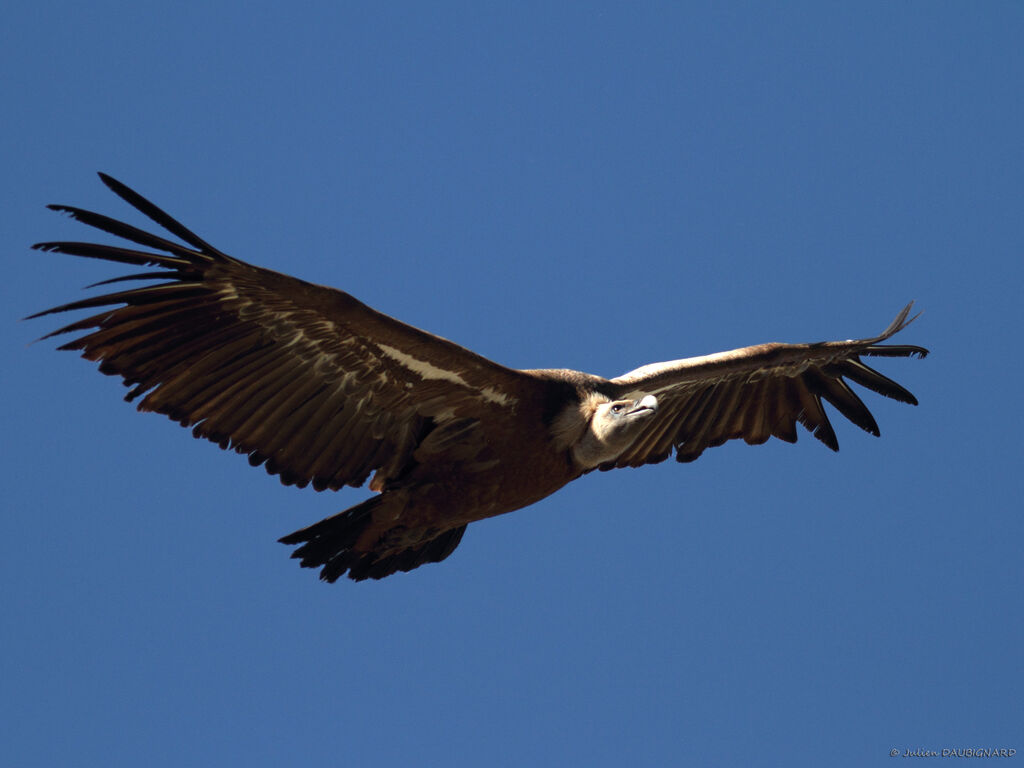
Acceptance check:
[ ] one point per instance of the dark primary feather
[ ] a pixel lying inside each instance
(140, 203)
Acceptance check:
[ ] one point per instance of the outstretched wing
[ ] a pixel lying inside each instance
(758, 392)
(307, 379)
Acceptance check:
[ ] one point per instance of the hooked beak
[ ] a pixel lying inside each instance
(645, 406)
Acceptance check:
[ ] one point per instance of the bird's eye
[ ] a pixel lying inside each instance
(617, 408)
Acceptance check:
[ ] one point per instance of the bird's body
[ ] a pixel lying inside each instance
(324, 390)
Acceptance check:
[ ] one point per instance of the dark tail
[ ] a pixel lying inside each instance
(330, 545)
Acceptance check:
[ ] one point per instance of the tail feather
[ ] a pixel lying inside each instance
(331, 546)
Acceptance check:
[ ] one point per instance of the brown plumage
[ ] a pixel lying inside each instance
(323, 390)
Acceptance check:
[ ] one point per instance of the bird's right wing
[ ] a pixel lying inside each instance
(307, 379)
(758, 392)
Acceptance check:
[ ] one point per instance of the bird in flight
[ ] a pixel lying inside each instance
(321, 389)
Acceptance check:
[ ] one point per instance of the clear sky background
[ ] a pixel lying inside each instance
(584, 185)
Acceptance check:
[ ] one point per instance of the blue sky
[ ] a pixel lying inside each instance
(584, 185)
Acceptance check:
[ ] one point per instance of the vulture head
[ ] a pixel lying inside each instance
(611, 428)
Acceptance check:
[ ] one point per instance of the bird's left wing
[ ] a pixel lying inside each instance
(307, 379)
(758, 392)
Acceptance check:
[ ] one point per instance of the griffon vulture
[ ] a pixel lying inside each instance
(323, 390)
